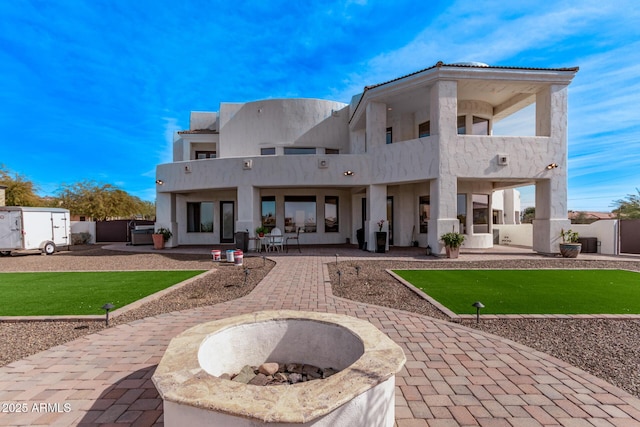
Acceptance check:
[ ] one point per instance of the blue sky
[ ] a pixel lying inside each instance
(94, 89)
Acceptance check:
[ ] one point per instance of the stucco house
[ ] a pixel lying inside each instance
(417, 152)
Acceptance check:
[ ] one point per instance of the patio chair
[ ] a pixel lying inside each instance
(296, 238)
(275, 240)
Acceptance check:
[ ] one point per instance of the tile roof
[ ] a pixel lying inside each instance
(440, 64)
(197, 131)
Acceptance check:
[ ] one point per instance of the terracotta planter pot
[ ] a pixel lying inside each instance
(158, 241)
(452, 252)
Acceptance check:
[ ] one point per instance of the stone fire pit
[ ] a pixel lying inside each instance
(361, 394)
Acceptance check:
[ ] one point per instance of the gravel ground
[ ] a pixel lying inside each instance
(606, 348)
(609, 349)
(21, 339)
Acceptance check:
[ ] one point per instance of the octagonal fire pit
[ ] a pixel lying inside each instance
(361, 393)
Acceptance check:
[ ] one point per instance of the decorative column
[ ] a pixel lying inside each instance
(377, 210)
(551, 189)
(166, 216)
(443, 189)
(248, 208)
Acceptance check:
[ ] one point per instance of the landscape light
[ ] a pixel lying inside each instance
(478, 305)
(108, 306)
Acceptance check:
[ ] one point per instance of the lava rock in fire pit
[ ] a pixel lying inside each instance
(268, 368)
(272, 373)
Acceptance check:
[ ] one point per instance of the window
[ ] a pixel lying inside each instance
(200, 217)
(389, 135)
(268, 212)
(462, 125)
(480, 126)
(461, 212)
(425, 213)
(300, 211)
(271, 151)
(205, 155)
(331, 151)
(331, 214)
(299, 150)
(480, 213)
(424, 129)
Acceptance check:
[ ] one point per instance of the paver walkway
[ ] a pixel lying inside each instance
(454, 376)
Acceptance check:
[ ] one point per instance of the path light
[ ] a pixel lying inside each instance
(264, 260)
(428, 250)
(108, 306)
(478, 305)
(339, 276)
(336, 259)
(357, 270)
(246, 274)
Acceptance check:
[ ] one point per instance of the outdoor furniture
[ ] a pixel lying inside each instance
(296, 238)
(257, 243)
(274, 240)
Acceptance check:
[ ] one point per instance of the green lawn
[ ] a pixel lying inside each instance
(531, 291)
(31, 294)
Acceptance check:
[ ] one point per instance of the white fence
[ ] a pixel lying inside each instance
(80, 227)
(606, 231)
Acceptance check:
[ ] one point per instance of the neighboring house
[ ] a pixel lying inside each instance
(417, 152)
(3, 196)
(505, 205)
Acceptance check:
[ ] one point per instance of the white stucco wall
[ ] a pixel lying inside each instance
(84, 227)
(605, 230)
(246, 128)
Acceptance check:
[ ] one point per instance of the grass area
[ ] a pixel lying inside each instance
(531, 291)
(73, 293)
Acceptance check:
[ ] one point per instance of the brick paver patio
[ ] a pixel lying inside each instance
(454, 376)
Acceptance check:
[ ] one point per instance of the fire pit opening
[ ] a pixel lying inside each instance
(191, 375)
(307, 341)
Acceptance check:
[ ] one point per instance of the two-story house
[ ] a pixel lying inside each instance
(417, 152)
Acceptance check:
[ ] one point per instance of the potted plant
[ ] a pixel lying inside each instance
(261, 230)
(160, 237)
(381, 238)
(452, 242)
(569, 248)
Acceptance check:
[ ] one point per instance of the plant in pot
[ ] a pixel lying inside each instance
(260, 231)
(160, 237)
(570, 248)
(381, 238)
(452, 242)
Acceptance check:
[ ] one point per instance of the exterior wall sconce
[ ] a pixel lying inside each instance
(247, 164)
(348, 173)
(159, 182)
(552, 166)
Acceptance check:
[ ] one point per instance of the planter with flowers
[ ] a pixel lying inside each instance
(160, 237)
(381, 238)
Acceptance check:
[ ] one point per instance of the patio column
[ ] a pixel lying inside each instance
(248, 208)
(376, 127)
(443, 189)
(166, 216)
(377, 210)
(551, 190)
